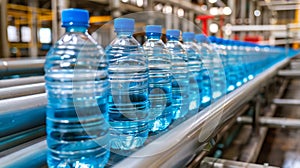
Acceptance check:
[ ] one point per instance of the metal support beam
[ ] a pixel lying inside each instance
(289, 73)
(185, 26)
(149, 7)
(272, 122)
(224, 129)
(251, 150)
(4, 48)
(62, 4)
(258, 18)
(251, 13)
(287, 102)
(169, 21)
(243, 17)
(175, 18)
(115, 8)
(214, 162)
(54, 21)
(256, 115)
(232, 5)
(33, 49)
(191, 21)
(295, 65)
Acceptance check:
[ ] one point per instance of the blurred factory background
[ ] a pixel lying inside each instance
(29, 27)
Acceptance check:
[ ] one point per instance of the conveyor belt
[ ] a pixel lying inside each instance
(172, 148)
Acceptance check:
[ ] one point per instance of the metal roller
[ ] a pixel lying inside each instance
(19, 114)
(22, 66)
(21, 81)
(213, 162)
(13, 140)
(23, 90)
(31, 156)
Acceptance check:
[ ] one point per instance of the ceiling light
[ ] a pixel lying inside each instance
(214, 11)
(214, 28)
(227, 10)
(140, 3)
(180, 12)
(257, 13)
(212, 1)
(167, 9)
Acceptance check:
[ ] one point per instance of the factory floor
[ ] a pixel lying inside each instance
(282, 146)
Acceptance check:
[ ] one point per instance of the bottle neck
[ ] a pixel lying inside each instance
(187, 41)
(124, 34)
(173, 38)
(153, 36)
(81, 29)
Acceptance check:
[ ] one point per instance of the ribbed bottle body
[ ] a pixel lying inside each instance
(195, 76)
(77, 88)
(160, 84)
(180, 79)
(128, 97)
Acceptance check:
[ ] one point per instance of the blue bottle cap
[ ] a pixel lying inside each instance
(173, 33)
(153, 29)
(124, 25)
(219, 40)
(201, 38)
(213, 39)
(188, 36)
(75, 17)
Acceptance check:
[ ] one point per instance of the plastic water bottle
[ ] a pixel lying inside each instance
(240, 54)
(219, 80)
(128, 99)
(207, 69)
(77, 88)
(180, 74)
(160, 79)
(195, 71)
(233, 71)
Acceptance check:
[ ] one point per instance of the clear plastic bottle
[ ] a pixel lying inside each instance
(77, 88)
(240, 54)
(219, 80)
(195, 71)
(180, 74)
(234, 72)
(160, 81)
(231, 72)
(207, 75)
(128, 99)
